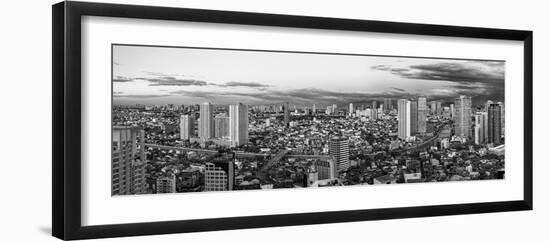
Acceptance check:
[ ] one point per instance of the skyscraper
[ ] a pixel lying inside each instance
(404, 119)
(219, 175)
(422, 113)
(480, 128)
(339, 149)
(452, 110)
(374, 104)
(414, 117)
(350, 108)
(438, 108)
(221, 126)
(286, 114)
(387, 104)
(206, 123)
(238, 124)
(187, 126)
(314, 109)
(494, 123)
(463, 116)
(127, 161)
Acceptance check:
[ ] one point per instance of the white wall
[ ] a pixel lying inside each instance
(25, 53)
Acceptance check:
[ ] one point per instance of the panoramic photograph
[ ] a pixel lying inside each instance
(187, 119)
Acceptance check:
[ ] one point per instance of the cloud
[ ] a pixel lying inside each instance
(399, 89)
(172, 81)
(138, 96)
(122, 79)
(245, 84)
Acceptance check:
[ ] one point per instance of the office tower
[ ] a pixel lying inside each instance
(438, 108)
(387, 104)
(463, 116)
(238, 124)
(501, 104)
(422, 113)
(414, 117)
(187, 126)
(267, 122)
(404, 119)
(350, 108)
(339, 149)
(127, 161)
(480, 128)
(286, 114)
(334, 108)
(329, 110)
(374, 104)
(206, 123)
(372, 114)
(221, 126)
(326, 168)
(494, 113)
(219, 175)
(314, 109)
(452, 110)
(433, 108)
(166, 184)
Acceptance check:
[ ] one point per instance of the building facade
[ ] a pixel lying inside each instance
(187, 126)
(219, 176)
(221, 126)
(422, 114)
(206, 123)
(339, 149)
(463, 116)
(404, 119)
(127, 161)
(238, 124)
(494, 112)
(166, 184)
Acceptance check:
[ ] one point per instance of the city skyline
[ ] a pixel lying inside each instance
(194, 76)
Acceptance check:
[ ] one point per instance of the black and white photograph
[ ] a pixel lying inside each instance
(191, 119)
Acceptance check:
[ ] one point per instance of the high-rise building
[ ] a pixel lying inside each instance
(433, 107)
(314, 109)
(404, 119)
(334, 108)
(480, 128)
(463, 116)
(326, 168)
(221, 126)
(286, 114)
(452, 111)
(127, 161)
(339, 149)
(350, 108)
(187, 126)
(438, 108)
(374, 104)
(494, 123)
(414, 117)
(422, 113)
(206, 123)
(219, 175)
(238, 124)
(166, 184)
(388, 104)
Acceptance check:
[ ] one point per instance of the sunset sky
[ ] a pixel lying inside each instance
(162, 75)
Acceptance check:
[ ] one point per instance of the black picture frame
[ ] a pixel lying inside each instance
(66, 127)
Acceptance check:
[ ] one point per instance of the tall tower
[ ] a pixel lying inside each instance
(422, 113)
(463, 116)
(339, 149)
(187, 126)
(414, 117)
(374, 104)
(286, 113)
(221, 126)
(350, 108)
(495, 128)
(314, 109)
(238, 124)
(127, 161)
(206, 123)
(404, 119)
(480, 128)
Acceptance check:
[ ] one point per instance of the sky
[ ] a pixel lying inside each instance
(169, 75)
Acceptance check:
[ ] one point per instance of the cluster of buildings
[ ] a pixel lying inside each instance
(221, 129)
(375, 143)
